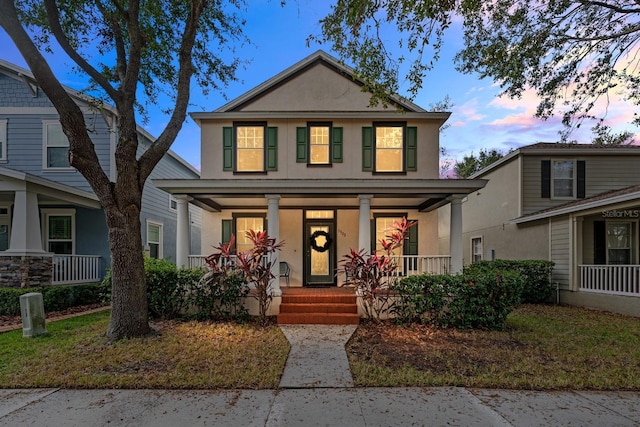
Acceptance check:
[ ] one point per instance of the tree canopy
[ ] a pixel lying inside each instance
(471, 164)
(572, 53)
(131, 52)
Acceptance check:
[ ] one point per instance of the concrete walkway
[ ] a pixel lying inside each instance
(316, 390)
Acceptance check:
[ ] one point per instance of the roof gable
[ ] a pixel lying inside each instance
(317, 83)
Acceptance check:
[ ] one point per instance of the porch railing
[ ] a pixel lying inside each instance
(408, 265)
(610, 279)
(70, 269)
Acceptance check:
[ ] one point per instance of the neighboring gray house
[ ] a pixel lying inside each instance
(52, 228)
(577, 205)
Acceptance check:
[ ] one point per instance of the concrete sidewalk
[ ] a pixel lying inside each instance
(316, 389)
(443, 406)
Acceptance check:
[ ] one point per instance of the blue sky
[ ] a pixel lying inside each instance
(480, 119)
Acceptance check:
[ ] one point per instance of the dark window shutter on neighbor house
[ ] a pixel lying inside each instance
(227, 148)
(367, 149)
(227, 230)
(301, 145)
(580, 174)
(336, 146)
(412, 149)
(410, 246)
(599, 242)
(545, 172)
(272, 148)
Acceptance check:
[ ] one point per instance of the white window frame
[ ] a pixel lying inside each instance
(382, 150)
(46, 213)
(160, 234)
(473, 254)
(574, 179)
(45, 146)
(172, 201)
(3, 140)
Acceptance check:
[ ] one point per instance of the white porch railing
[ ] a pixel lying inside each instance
(610, 279)
(70, 269)
(408, 265)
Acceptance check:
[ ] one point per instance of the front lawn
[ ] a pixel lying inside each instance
(190, 355)
(543, 347)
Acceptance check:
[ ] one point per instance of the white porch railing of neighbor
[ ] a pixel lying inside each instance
(610, 279)
(408, 265)
(70, 269)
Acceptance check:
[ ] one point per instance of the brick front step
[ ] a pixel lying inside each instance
(318, 319)
(331, 306)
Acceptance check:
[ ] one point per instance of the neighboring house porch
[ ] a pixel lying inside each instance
(595, 243)
(50, 233)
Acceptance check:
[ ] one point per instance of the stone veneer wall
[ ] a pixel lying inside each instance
(25, 271)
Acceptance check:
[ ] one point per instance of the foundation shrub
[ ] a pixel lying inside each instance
(220, 296)
(482, 299)
(55, 298)
(536, 274)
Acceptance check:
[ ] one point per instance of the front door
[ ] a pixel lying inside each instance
(320, 253)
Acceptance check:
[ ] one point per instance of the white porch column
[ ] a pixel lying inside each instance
(26, 236)
(455, 235)
(364, 227)
(273, 229)
(182, 230)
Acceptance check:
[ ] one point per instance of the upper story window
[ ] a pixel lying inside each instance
(563, 178)
(3, 139)
(55, 146)
(389, 148)
(319, 144)
(250, 148)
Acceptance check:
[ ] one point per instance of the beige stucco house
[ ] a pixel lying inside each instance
(304, 156)
(577, 205)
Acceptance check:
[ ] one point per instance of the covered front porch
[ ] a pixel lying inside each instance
(321, 220)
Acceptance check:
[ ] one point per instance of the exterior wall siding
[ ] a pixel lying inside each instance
(560, 250)
(602, 173)
(16, 94)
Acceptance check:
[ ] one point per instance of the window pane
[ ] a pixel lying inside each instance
(384, 227)
(389, 149)
(154, 250)
(250, 148)
(320, 260)
(63, 248)
(563, 178)
(319, 214)
(563, 169)
(563, 188)
(618, 235)
(477, 249)
(58, 157)
(319, 144)
(59, 227)
(243, 225)
(153, 233)
(55, 136)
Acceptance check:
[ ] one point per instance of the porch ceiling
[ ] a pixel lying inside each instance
(423, 194)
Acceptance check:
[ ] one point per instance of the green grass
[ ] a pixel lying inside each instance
(194, 355)
(542, 348)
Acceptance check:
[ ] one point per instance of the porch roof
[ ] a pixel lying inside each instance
(614, 197)
(421, 194)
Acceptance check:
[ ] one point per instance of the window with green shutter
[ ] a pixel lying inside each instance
(227, 148)
(336, 145)
(250, 147)
(301, 145)
(272, 148)
(367, 149)
(412, 149)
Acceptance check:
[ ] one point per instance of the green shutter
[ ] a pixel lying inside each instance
(272, 148)
(301, 145)
(227, 230)
(227, 148)
(336, 148)
(367, 149)
(410, 246)
(412, 149)
(372, 237)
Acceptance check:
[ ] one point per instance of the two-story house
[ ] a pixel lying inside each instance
(305, 157)
(577, 205)
(52, 228)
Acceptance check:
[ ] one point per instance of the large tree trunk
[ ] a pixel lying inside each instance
(129, 313)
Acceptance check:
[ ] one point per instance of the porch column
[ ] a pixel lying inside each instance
(364, 228)
(182, 230)
(455, 235)
(273, 229)
(26, 236)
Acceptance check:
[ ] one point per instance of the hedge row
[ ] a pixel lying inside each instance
(55, 297)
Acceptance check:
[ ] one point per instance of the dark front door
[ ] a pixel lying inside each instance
(320, 253)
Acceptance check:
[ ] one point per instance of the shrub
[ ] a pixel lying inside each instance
(536, 274)
(55, 297)
(481, 299)
(219, 296)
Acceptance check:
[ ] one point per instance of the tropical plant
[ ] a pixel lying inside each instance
(373, 275)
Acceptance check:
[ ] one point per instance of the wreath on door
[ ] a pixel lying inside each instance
(314, 243)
